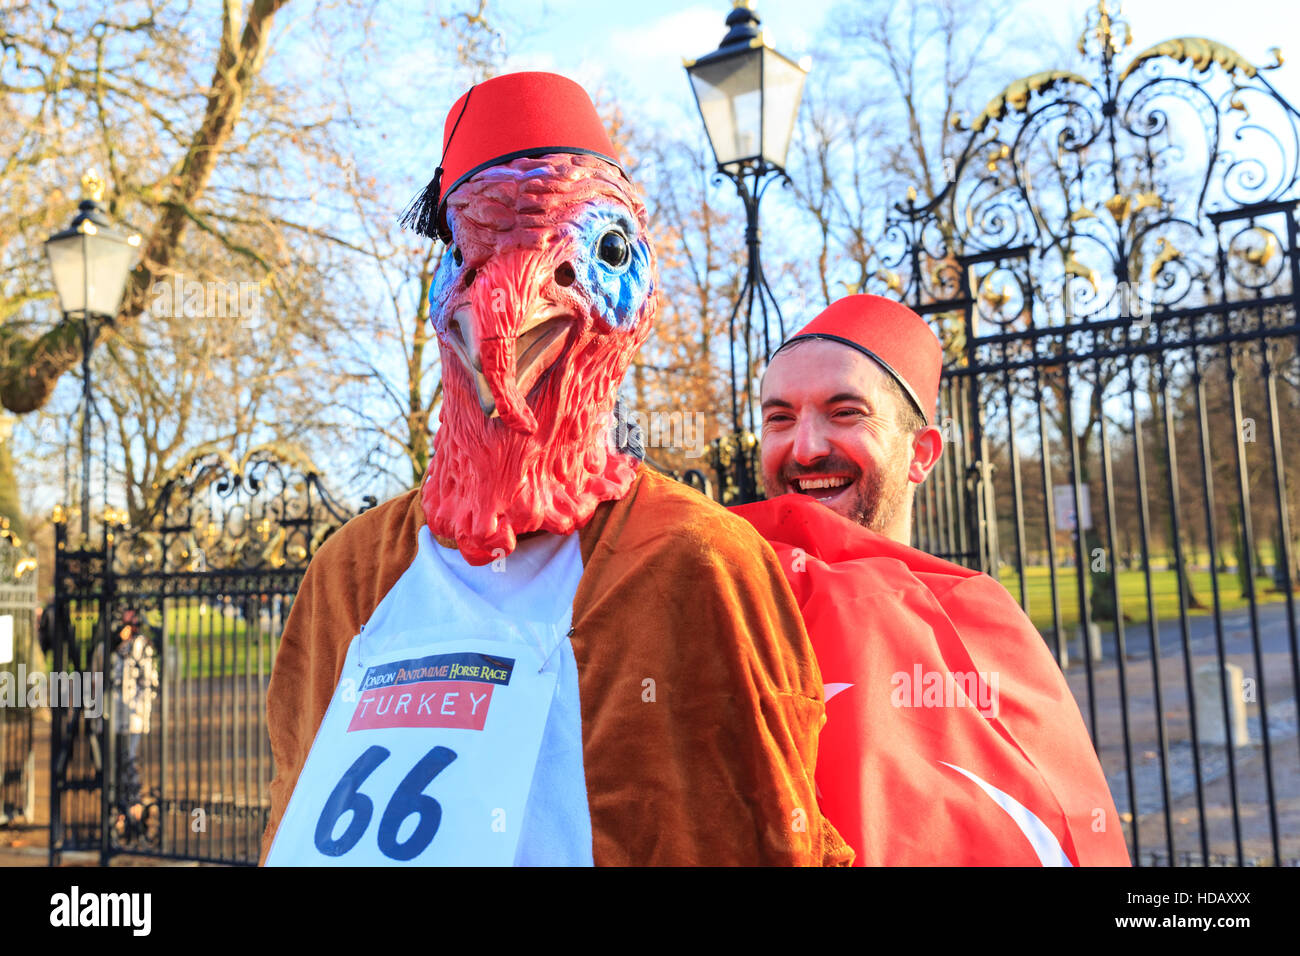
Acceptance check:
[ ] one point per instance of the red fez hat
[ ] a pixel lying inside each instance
(893, 335)
(503, 119)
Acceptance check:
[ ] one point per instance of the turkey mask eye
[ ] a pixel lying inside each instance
(613, 249)
(456, 256)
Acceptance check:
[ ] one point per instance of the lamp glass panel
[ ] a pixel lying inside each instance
(730, 95)
(90, 272)
(67, 263)
(108, 262)
(783, 89)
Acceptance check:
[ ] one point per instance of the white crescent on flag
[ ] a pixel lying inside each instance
(1038, 834)
(833, 689)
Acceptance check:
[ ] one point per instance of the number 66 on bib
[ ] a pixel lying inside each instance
(425, 757)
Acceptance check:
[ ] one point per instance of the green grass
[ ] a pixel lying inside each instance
(202, 641)
(198, 638)
(1132, 592)
(227, 651)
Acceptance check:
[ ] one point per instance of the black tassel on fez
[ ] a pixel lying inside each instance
(422, 214)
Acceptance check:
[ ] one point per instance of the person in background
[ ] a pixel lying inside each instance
(134, 679)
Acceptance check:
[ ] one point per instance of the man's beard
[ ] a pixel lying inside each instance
(488, 483)
(880, 497)
(877, 495)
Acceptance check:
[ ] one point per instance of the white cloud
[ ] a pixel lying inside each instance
(649, 57)
(540, 60)
(662, 43)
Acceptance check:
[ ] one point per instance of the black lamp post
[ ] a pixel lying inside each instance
(748, 95)
(90, 261)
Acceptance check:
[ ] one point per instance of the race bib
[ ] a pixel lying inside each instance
(425, 757)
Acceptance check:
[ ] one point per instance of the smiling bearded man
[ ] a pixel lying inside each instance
(843, 426)
(823, 455)
(548, 654)
(951, 736)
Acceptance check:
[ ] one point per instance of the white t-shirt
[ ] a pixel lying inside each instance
(526, 596)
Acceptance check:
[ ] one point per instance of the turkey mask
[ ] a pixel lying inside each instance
(545, 291)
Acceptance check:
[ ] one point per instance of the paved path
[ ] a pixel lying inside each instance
(1276, 690)
(28, 843)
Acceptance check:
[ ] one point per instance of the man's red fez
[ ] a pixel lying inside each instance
(893, 335)
(503, 119)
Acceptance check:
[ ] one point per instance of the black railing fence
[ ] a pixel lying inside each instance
(179, 617)
(20, 655)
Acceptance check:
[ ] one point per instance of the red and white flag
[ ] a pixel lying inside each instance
(951, 737)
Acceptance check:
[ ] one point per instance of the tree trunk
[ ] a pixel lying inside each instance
(9, 506)
(32, 367)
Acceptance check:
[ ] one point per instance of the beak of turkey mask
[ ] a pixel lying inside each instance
(509, 335)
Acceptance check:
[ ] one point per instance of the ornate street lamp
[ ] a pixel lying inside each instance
(90, 261)
(748, 95)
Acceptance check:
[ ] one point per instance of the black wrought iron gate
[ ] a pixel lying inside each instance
(167, 629)
(19, 656)
(1115, 272)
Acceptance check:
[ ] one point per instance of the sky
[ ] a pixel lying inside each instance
(643, 44)
(634, 52)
